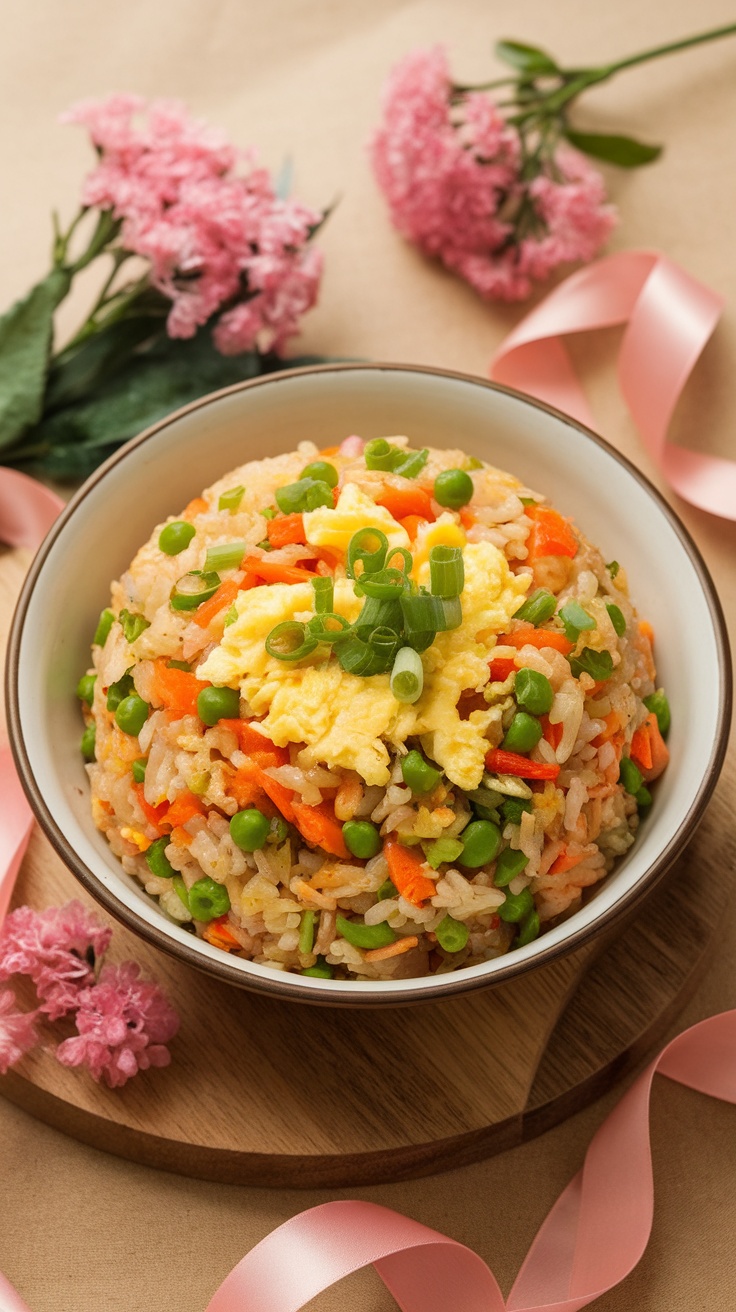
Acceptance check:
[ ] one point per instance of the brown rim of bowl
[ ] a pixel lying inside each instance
(340, 992)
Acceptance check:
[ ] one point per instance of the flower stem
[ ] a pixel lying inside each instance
(670, 49)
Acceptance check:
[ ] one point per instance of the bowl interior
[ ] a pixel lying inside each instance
(159, 473)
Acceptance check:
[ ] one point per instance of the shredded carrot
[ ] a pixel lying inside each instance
(182, 809)
(403, 501)
(565, 861)
(659, 750)
(225, 596)
(245, 788)
(467, 518)
(180, 837)
(552, 732)
(154, 814)
(196, 507)
(646, 630)
(286, 530)
(641, 746)
(218, 934)
(393, 949)
(176, 689)
(500, 762)
(412, 524)
(275, 572)
(527, 634)
(405, 866)
(612, 722)
(318, 825)
(256, 745)
(551, 534)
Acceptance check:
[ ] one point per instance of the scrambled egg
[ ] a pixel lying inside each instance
(328, 527)
(352, 722)
(444, 532)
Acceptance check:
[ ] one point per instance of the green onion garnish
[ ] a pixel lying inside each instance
(452, 614)
(447, 572)
(537, 608)
(575, 619)
(328, 627)
(193, 588)
(226, 556)
(268, 513)
(323, 595)
(231, 499)
(407, 676)
(406, 557)
(290, 641)
(380, 454)
(617, 618)
(306, 931)
(412, 464)
(355, 656)
(133, 625)
(104, 624)
(231, 616)
(307, 494)
(369, 546)
(379, 614)
(385, 584)
(598, 664)
(422, 613)
(117, 692)
(613, 568)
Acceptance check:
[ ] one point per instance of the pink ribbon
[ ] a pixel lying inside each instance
(669, 317)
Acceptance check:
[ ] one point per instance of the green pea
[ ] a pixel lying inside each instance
(86, 688)
(630, 775)
(517, 906)
(157, 861)
(388, 889)
(87, 745)
(643, 798)
(131, 714)
(528, 929)
(279, 830)
(453, 488)
(208, 899)
(322, 970)
(138, 770)
(616, 616)
(322, 471)
(117, 691)
(418, 774)
(104, 624)
(452, 935)
(657, 702)
(513, 808)
(361, 838)
(365, 936)
(539, 607)
(533, 692)
(250, 829)
(175, 537)
(481, 841)
(215, 704)
(522, 734)
(510, 864)
(306, 931)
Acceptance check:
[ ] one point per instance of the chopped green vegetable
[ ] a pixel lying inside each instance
(388, 889)
(157, 861)
(413, 463)
(575, 619)
(407, 676)
(179, 665)
(323, 589)
(249, 829)
(517, 906)
(522, 734)
(510, 863)
(630, 775)
(453, 488)
(533, 692)
(133, 625)
(307, 494)
(481, 840)
(365, 936)
(306, 931)
(613, 568)
(208, 899)
(117, 691)
(616, 616)
(175, 537)
(87, 745)
(452, 935)
(290, 641)
(598, 664)
(658, 703)
(180, 887)
(193, 588)
(322, 970)
(86, 688)
(104, 624)
(513, 808)
(268, 513)
(227, 556)
(643, 798)
(537, 608)
(231, 499)
(528, 929)
(138, 770)
(442, 851)
(230, 616)
(368, 547)
(447, 572)
(418, 774)
(380, 454)
(215, 704)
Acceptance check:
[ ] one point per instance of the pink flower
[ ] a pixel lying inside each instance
(219, 241)
(450, 167)
(123, 1024)
(57, 948)
(17, 1031)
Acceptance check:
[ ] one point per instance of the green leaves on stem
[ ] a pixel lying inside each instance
(26, 333)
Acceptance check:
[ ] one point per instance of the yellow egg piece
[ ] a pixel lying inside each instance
(328, 527)
(444, 532)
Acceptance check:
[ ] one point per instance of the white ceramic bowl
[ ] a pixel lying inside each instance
(160, 471)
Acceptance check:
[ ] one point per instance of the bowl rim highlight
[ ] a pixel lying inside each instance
(280, 984)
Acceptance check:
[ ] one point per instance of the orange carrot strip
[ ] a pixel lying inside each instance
(224, 596)
(405, 869)
(182, 809)
(256, 745)
(329, 450)
(526, 633)
(641, 746)
(218, 934)
(551, 534)
(646, 629)
(273, 572)
(286, 530)
(467, 518)
(552, 732)
(501, 667)
(393, 949)
(500, 762)
(154, 814)
(412, 524)
(403, 501)
(660, 752)
(196, 507)
(564, 862)
(176, 689)
(180, 837)
(317, 824)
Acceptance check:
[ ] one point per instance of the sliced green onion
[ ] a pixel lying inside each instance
(575, 619)
(537, 608)
(322, 969)
(407, 676)
(231, 499)
(598, 664)
(422, 613)
(630, 775)
(447, 571)
(306, 931)
(412, 464)
(323, 595)
(528, 929)
(320, 471)
(369, 546)
(307, 494)
(138, 770)
(104, 624)
(290, 641)
(380, 454)
(472, 462)
(329, 627)
(355, 656)
(227, 556)
(452, 614)
(406, 558)
(657, 702)
(265, 545)
(231, 616)
(268, 513)
(616, 616)
(378, 614)
(388, 889)
(365, 936)
(118, 691)
(613, 568)
(528, 501)
(442, 851)
(385, 584)
(452, 935)
(516, 907)
(193, 588)
(133, 625)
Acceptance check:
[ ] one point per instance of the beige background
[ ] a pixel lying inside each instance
(85, 1231)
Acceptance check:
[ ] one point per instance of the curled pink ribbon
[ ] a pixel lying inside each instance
(669, 317)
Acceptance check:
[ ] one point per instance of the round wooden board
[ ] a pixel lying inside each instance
(279, 1094)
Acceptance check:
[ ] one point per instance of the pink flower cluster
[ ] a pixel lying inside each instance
(450, 167)
(219, 242)
(123, 1022)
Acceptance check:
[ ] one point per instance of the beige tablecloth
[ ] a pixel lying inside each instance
(83, 1231)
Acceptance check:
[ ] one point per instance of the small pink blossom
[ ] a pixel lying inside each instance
(450, 167)
(57, 948)
(17, 1031)
(123, 1024)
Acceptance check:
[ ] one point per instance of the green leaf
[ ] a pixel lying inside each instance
(26, 332)
(624, 151)
(78, 372)
(529, 60)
